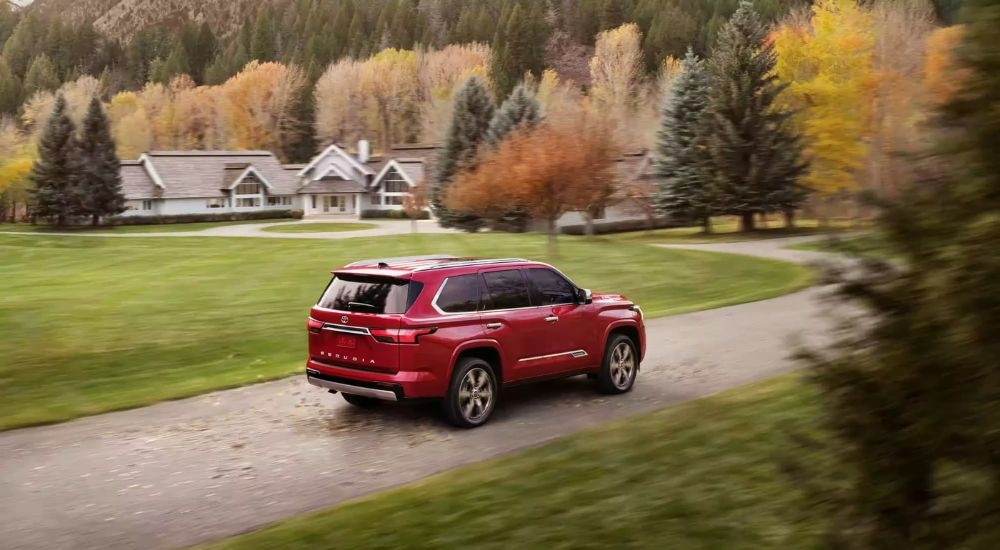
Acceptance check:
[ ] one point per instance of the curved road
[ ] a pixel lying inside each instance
(189, 471)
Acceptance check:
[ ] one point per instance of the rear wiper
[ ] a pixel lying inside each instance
(355, 305)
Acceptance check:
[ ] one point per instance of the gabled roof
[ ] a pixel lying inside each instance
(413, 168)
(334, 150)
(136, 181)
(204, 174)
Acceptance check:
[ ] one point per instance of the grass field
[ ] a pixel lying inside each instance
(699, 475)
(155, 228)
(864, 245)
(89, 325)
(726, 229)
(331, 227)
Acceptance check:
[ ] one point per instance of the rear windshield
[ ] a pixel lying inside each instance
(366, 294)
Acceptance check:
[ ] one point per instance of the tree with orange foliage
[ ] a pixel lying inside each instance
(415, 204)
(550, 170)
(943, 76)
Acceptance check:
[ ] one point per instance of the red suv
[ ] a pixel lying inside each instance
(458, 329)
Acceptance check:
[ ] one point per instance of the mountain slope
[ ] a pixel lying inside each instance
(121, 19)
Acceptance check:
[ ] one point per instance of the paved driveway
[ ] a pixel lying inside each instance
(189, 471)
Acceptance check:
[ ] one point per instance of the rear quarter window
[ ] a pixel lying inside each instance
(459, 294)
(365, 294)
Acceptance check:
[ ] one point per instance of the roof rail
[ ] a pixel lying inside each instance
(469, 263)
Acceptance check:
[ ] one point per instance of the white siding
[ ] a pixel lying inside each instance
(174, 207)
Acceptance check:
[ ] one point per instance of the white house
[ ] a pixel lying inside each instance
(333, 183)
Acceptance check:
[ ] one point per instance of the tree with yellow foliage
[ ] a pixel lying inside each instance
(616, 73)
(390, 85)
(828, 67)
(260, 105)
(16, 159)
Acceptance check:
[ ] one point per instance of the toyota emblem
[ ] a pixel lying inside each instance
(343, 318)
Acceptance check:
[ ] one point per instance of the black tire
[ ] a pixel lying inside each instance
(472, 394)
(620, 366)
(361, 401)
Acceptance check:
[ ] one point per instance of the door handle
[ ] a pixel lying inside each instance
(551, 319)
(494, 325)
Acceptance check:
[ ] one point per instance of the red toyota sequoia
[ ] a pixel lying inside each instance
(458, 329)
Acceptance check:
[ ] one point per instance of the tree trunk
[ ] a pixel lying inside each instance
(95, 220)
(789, 218)
(706, 224)
(413, 225)
(553, 235)
(747, 222)
(588, 223)
(61, 220)
(649, 222)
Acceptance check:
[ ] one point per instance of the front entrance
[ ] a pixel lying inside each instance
(339, 204)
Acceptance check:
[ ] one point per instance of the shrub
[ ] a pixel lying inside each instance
(391, 215)
(621, 226)
(193, 218)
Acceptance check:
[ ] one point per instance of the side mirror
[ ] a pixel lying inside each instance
(584, 296)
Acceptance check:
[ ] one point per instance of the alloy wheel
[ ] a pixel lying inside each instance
(475, 395)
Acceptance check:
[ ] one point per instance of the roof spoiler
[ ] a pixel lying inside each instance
(399, 260)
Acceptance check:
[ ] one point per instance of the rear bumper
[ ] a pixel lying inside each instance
(318, 380)
(389, 387)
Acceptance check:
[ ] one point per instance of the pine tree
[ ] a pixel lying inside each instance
(55, 195)
(41, 76)
(519, 109)
(470, 121)
(756, 156)
(10, 89)
(99, 180)
(262, 47)
(681, 162)
(519, 48)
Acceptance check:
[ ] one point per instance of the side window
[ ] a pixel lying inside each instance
(459, 294)
(549, 288)
(507, 289)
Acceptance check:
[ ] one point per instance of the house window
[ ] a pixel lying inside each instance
(375, 200)
(394, 182)
(314, 202)
(393, 201)
(279, 201)
(215, 203)
(147, 205)
(248, 189)
(247, 202)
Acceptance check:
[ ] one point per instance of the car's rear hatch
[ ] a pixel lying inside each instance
(356, 322)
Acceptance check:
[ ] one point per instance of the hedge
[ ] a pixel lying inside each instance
(193, 218)
(621, 226)
(391, 215)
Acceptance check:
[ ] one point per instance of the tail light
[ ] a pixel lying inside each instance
(401, 335)
(314, 326)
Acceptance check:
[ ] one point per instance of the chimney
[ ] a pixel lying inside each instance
(364, 149)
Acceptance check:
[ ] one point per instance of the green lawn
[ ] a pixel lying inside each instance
(89, 325)
(726, 229)
(699, 475)
(863, 245)
(155, 228)
(332, 227)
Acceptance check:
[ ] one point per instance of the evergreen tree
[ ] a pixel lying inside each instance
(756, 156)
(99, 180)
(681, 161)
(55, 195)
(10, 89)
(910, 394)
(520, 108)
(470, 121)
(262, 46)
(519, 48)
(41, 76)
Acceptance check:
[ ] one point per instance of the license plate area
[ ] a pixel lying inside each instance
(345, 341)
